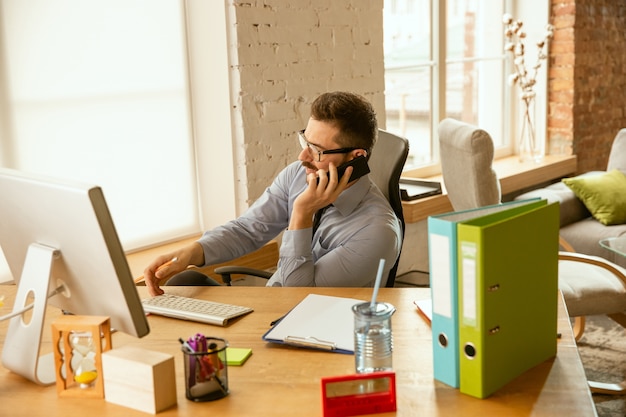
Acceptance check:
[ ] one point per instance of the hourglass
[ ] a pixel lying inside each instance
(78, 343)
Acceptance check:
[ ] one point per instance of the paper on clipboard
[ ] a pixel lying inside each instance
(318, 322)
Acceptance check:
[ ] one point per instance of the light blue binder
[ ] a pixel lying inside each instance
(442, 257)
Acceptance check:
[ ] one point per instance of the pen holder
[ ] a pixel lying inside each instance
(373, 343)
(206, 373)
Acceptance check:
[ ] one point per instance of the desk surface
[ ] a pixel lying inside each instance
(285, 381)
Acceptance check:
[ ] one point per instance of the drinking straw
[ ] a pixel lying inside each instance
(379, 275)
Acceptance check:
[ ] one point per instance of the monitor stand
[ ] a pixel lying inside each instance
(23, 339)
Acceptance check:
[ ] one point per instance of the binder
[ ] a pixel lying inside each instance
(442, 254)
(508, 289)
(318, 322)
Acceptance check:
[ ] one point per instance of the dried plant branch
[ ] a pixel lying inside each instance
(515, 35)
(526, 80)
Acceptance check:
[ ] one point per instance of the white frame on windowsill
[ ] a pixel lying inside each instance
(216, 139)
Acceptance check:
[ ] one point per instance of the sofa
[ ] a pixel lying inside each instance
(594, 192)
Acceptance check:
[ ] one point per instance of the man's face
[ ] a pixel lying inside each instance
(320, 137)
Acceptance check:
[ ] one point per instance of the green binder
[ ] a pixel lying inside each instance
(508, 289)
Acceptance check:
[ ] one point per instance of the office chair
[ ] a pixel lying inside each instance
(386, 163)
(590, 285)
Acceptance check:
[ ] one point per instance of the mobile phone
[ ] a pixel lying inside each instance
(359, 168)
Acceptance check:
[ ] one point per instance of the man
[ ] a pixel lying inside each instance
(357, 228)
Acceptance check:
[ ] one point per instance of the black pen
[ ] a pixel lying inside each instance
(186, 345)
(277, 320)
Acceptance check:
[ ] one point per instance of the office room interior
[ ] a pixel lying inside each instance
(184, 111)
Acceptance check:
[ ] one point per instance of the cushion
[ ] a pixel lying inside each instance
(589, 289)
(604, 195)
(617, 157)
(571, 208)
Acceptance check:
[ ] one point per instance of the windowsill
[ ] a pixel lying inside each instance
(514, 177)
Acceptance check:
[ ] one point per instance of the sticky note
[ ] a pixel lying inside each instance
(237, 356)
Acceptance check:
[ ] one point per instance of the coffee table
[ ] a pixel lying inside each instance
(615, 244)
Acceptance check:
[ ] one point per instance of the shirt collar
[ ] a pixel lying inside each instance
(349, 199)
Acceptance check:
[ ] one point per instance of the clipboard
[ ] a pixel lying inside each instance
(319, 322)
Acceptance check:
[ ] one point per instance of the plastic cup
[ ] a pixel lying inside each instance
(373, 341)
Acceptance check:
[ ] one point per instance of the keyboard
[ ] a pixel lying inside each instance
(186, 308)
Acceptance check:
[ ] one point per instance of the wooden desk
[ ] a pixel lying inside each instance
(284, 381)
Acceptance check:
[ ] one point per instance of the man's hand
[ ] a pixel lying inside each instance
(165, 266)
(317, 195)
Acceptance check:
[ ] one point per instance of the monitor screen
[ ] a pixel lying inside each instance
(61, 231)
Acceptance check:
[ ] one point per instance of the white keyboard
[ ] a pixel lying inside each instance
(193, 309)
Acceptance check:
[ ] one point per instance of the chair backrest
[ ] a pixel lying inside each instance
(386, 163)
(466, 154)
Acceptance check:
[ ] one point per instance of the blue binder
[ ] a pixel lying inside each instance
(442, 256)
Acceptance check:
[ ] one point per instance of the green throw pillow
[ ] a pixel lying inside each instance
(604, 195)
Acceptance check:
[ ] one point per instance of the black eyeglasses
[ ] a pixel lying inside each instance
(305, 144)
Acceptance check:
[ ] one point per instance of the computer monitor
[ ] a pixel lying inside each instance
(60, 233)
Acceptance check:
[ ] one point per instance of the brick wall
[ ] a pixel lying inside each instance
(587, 79)
(287, 54)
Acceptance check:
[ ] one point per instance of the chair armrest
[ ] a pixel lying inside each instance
(227, 271)
(597, 261)
(565, 245)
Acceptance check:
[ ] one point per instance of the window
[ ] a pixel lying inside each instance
(99, 91)
(96, 92)
(445, 58)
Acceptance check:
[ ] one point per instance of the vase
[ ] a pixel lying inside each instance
(530, 147)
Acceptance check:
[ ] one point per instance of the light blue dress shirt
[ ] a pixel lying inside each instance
(357, 231)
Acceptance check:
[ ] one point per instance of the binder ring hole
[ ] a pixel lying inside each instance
(443, 340)
(470, 351)
(494, 330)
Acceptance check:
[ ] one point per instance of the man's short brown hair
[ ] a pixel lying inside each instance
(352, 114)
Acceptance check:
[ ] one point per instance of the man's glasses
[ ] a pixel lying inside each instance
(305, 144)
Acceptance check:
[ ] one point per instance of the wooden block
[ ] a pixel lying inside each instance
(140, 379)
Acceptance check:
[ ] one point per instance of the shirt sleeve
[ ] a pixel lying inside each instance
(263, 221)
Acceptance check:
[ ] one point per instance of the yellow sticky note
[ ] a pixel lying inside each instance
(237, 356)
